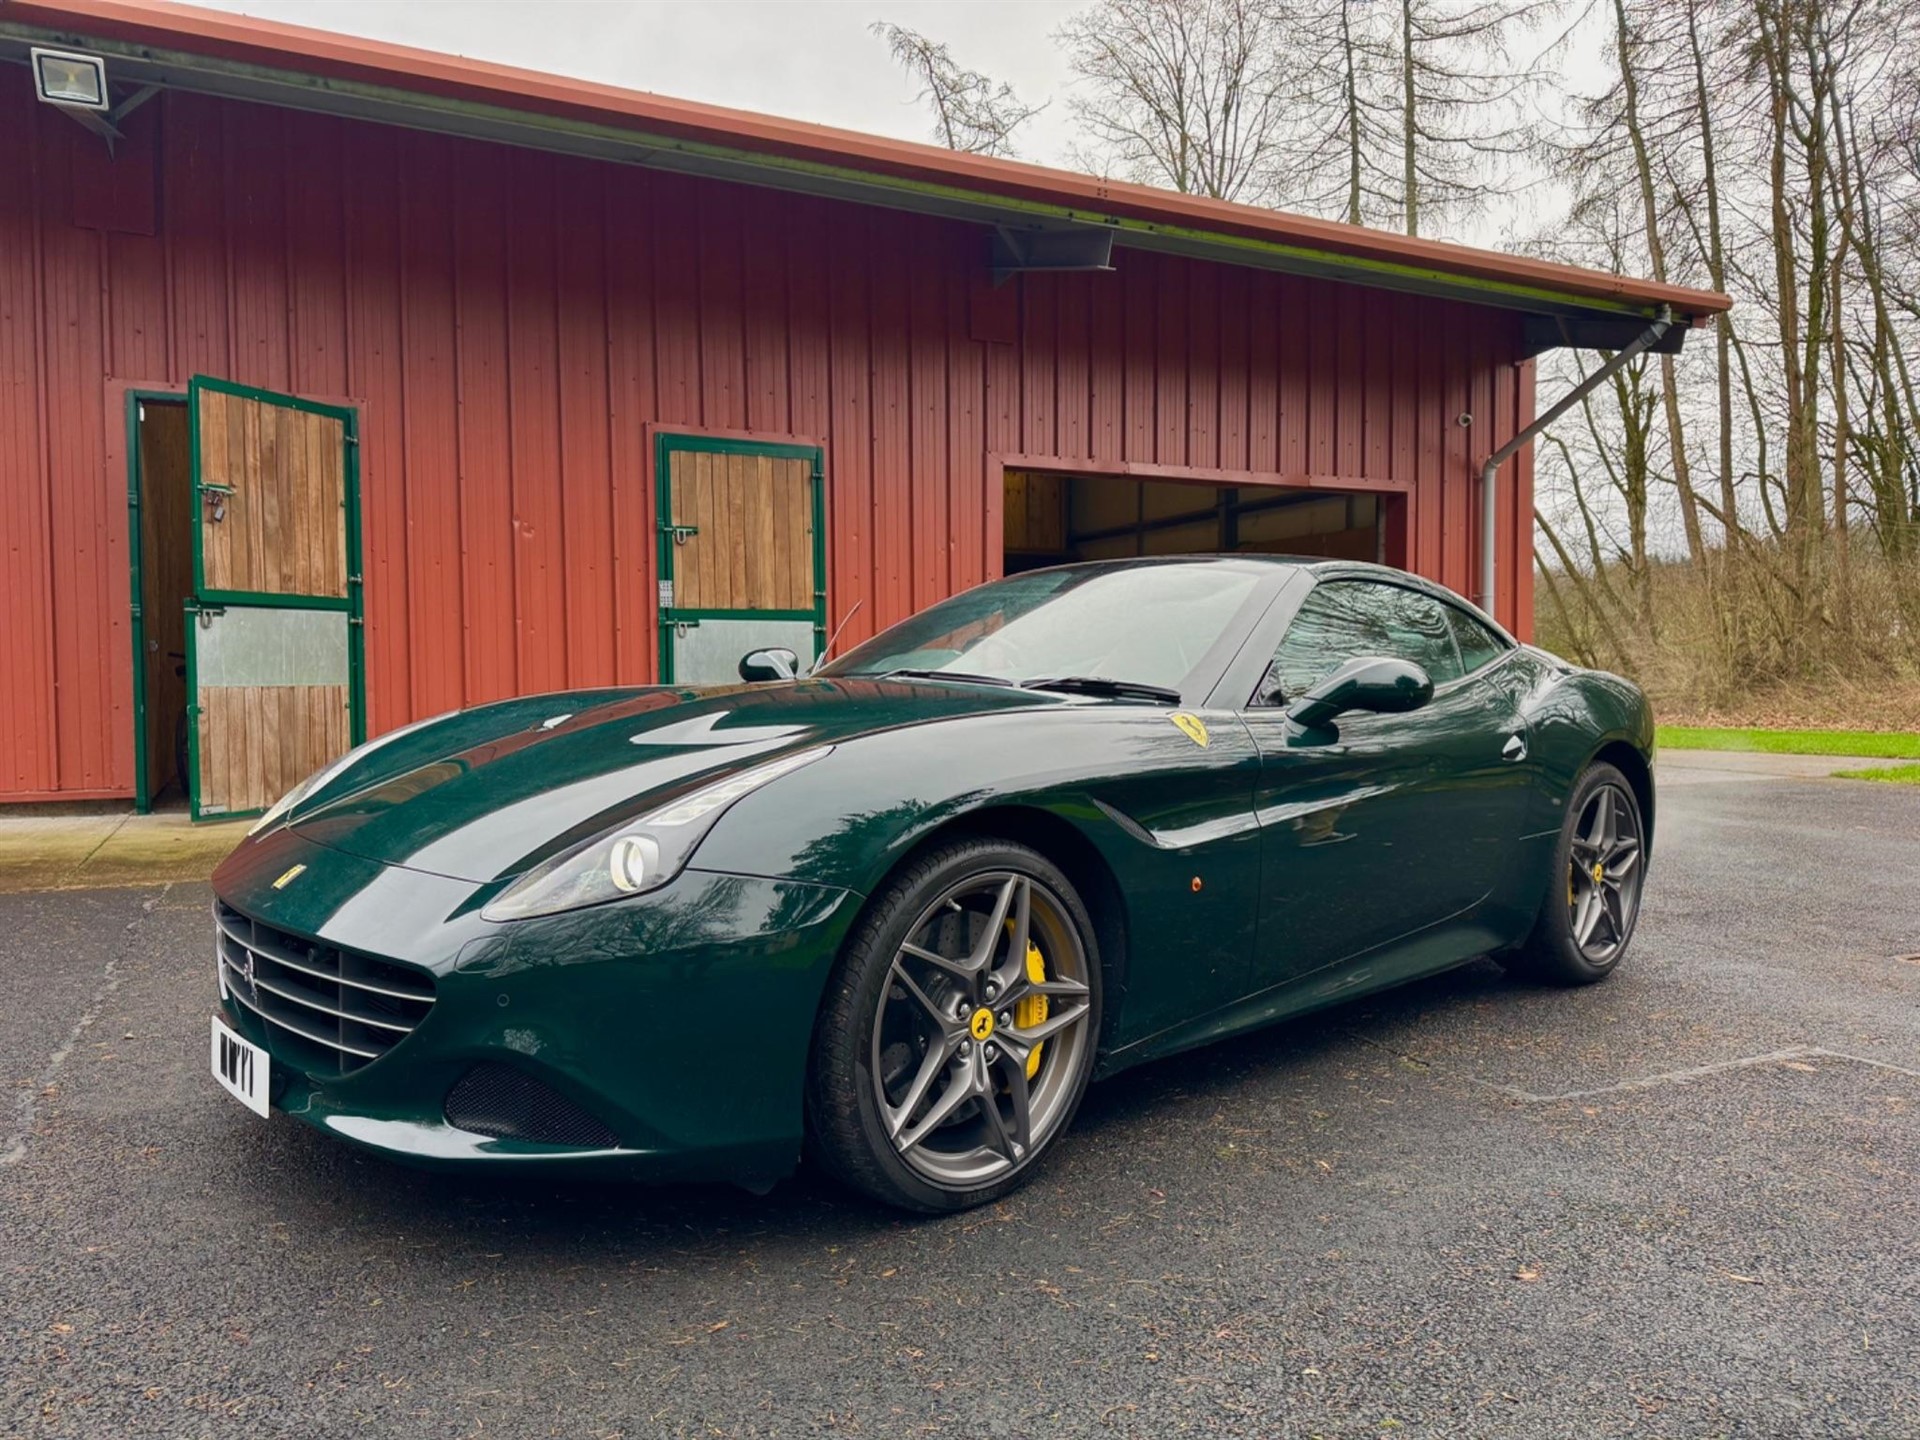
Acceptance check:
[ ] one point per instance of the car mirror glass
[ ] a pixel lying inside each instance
(774, 663)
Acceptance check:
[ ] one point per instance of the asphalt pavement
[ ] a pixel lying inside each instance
(1684, 1203)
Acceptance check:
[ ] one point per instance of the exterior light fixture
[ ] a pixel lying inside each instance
(75, 82)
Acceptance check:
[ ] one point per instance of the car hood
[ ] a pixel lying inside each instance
(488, 793)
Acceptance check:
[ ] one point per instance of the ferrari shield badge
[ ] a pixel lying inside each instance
(1191, 727)
(288, 877)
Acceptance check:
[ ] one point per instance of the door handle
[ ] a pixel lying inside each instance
(1515, 749)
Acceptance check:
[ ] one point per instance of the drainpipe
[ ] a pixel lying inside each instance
(1489, 510)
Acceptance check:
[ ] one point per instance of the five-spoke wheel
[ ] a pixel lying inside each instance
(1589, 912)
(1603, 872)
(964, 1022)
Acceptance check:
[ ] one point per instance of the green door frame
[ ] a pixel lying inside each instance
(351, 603)
(664, 446)
(135, 399)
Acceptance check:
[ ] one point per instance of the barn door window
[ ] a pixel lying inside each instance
(742, 554)
(274, 647)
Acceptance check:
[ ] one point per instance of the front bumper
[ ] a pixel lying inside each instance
(680, 1019)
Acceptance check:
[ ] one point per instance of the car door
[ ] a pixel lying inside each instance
(1378, 826)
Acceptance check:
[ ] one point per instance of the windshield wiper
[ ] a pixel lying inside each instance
(959, 676)
(1101, 685)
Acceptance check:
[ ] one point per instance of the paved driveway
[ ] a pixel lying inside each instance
(1686, 1203)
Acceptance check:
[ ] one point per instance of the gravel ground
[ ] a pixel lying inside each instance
(1684, 1203)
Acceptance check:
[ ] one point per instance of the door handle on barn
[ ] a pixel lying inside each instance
(1515, 749)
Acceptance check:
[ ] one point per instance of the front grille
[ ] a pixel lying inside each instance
(497, 1100)
(328, 1011)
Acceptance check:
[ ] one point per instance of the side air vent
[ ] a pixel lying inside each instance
(497, 1100)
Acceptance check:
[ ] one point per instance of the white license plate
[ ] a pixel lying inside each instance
(241, 1067)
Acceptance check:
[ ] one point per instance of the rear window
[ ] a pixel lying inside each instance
(1479, 646)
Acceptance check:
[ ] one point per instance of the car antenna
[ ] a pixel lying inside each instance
(831, 639)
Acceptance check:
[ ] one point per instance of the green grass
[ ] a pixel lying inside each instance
(1875, 744)
(1894, 774)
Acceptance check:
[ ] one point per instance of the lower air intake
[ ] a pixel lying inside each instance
(498, 1100)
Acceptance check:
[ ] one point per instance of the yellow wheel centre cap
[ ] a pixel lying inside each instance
(1599, 872)
(981, 1025)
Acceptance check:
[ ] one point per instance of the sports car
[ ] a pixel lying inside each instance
(897, 913)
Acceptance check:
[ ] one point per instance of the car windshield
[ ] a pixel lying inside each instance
(1141, 624)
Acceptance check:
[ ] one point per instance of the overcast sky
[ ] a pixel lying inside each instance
(809, 59)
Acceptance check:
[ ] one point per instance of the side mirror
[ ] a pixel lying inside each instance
(1376, 683)
(778, 663)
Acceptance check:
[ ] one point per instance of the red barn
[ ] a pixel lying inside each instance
(343, 384)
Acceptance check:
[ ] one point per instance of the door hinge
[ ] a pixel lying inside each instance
(666, 594)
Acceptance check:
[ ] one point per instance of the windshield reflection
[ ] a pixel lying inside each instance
(1147, 624)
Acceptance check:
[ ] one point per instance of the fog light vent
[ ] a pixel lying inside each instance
(498, 1100)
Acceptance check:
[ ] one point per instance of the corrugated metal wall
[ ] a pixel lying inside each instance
(513, 322)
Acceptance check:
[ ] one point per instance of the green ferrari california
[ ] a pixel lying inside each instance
(897, 914)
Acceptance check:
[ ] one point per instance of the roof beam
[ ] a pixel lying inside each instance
(444, 114)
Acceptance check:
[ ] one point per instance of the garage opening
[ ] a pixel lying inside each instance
(1052, 518)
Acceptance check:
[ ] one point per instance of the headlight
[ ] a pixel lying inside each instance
(640, 855)
(320, 779)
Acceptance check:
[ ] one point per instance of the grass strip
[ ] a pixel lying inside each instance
(1874, 744)
(1892, 774)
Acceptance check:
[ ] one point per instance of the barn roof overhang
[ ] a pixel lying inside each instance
(1050, 217)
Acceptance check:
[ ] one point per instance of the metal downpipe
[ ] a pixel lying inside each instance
(1489, 507)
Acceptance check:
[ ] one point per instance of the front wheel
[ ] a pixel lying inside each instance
(1593, 899)
(958, 1032)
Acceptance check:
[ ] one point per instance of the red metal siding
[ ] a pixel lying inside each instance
(513, 326)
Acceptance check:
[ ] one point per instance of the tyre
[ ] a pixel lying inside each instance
(1593, 899)
(958, 1030)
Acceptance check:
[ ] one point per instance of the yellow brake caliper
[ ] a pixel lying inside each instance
(1032, 1010)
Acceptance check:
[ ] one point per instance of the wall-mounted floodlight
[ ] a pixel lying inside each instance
(78, 82)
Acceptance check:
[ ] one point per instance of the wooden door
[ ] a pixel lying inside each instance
(270, 475)
(741, 555)
(273, 629)
(273, 701)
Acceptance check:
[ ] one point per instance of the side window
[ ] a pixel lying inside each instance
(1478, 645)
(1343, 620)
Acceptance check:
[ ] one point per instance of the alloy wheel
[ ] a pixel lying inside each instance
(1603, 875)
(981, 1030)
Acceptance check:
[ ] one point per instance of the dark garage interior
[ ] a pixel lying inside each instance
(1052, 518)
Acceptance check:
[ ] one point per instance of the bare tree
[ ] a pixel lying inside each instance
(971, 112)
(1182, 93)
(1408, 112)
(1771, 149)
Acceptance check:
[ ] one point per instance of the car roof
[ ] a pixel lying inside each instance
(1245, 560)
(1316, 565)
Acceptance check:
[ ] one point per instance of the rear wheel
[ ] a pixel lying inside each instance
(1593, 901)
(958, 1032)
